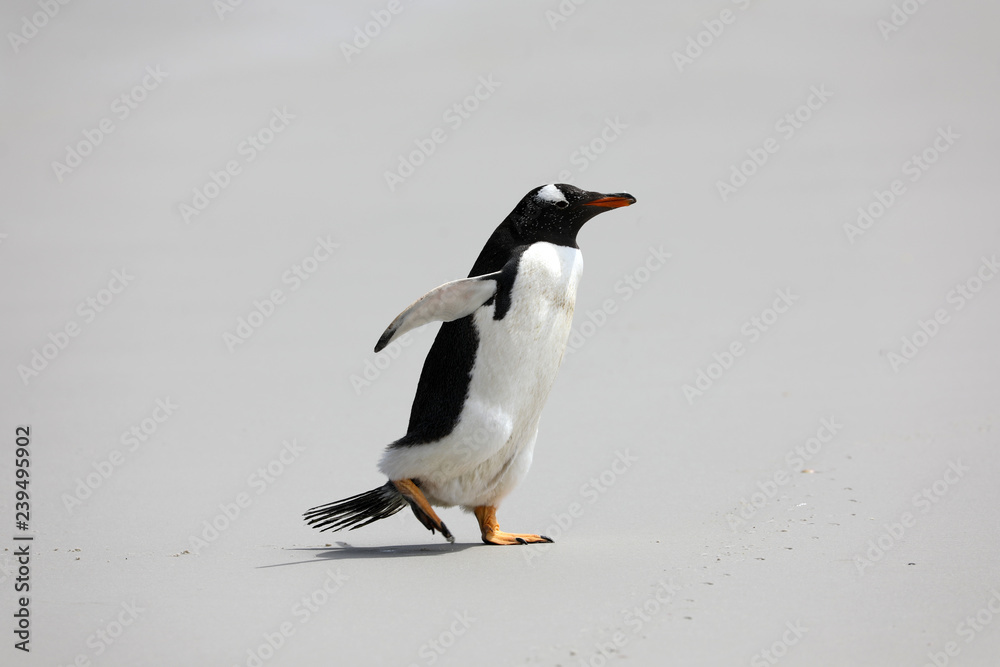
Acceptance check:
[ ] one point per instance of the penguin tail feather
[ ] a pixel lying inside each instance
(357, 511)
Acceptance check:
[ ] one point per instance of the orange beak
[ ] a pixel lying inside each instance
(613, 201)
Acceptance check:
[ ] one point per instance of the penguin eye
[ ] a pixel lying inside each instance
(562, 204)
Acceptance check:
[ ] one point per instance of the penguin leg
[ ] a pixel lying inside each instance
(487, 516)
(421, 508)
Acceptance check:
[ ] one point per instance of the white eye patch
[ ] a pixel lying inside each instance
(550, 193)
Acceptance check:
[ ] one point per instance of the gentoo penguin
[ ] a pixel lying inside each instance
(475, 416)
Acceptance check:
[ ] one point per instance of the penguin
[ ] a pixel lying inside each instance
(474, 419)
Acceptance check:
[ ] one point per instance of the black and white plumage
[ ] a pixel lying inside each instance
(475, 415)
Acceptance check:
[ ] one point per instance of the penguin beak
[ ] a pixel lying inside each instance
(612, 201)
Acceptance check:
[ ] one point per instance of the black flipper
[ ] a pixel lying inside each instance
(357, 511)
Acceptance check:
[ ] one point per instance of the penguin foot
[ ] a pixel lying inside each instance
(492, 534)
(421, 508)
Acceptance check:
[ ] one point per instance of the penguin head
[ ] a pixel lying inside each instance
(556, 212)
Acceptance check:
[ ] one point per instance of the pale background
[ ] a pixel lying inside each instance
(735, 587)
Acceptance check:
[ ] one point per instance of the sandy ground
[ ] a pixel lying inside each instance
(774, 440)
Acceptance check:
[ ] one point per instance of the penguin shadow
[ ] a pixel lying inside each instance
(346, 551)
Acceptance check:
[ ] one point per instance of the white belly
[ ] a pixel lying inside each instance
(490, 449)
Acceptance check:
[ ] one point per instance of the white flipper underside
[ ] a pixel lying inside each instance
(449, 302)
